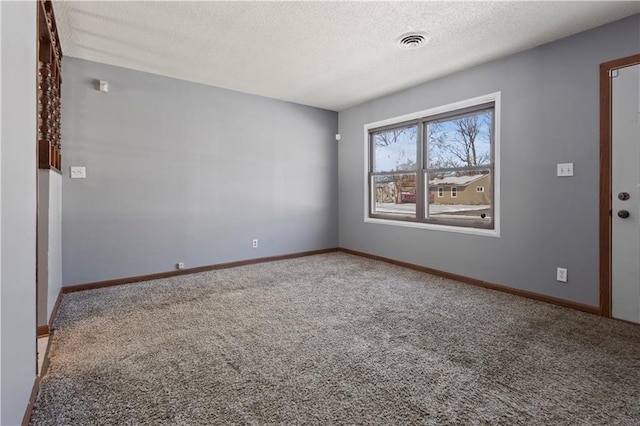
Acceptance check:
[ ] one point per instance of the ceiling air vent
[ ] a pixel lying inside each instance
(412, 40)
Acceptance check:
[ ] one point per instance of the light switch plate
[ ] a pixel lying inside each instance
(565, 169)
(76, 172)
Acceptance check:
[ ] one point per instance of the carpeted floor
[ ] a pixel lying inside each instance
(332, 339)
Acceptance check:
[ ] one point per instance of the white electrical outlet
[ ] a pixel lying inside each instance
(561, 275)
(180, 265)
(255, 243)
(565, 169)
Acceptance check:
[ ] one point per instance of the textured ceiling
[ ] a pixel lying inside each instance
(326, 54)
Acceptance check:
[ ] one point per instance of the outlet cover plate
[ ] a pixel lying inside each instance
(561, 275)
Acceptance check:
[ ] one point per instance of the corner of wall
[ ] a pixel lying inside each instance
(17, 209)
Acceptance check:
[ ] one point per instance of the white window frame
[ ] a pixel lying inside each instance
(479, 188)
(454, 192)
(468, 103)
(440, 192)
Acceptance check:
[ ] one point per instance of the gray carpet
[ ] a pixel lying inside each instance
(332, 339)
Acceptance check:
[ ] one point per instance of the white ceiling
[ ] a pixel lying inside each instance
(330, 55)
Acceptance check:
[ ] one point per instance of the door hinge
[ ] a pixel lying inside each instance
(613, 73)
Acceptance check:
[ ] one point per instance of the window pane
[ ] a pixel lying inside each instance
(461, 142)
(395, 150)
(394, 195)
(468, 205)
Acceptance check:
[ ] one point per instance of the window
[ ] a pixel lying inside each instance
(413, 159)
(394, 171)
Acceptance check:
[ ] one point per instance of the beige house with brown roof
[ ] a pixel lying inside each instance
(464, 189)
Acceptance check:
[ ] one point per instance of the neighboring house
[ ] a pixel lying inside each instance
(464, 189)
(453, 189)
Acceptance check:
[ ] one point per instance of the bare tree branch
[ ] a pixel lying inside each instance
(461, 147)
(390, 137)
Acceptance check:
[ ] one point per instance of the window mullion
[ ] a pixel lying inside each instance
(419, 176)
(424, 176)
(372, 153)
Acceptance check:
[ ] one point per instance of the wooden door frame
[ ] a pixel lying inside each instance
(605, 177)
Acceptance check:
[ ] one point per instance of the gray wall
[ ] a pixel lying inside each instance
(178, 171)
(49, 242)
(43, 246)
(54, 256)
(550, 114)
(18, 209)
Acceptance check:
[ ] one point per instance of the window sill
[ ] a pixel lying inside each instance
(435, 227)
